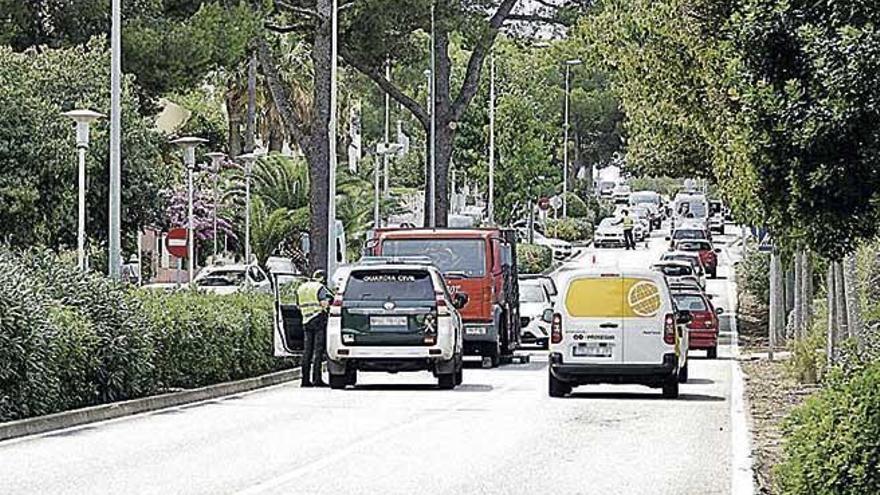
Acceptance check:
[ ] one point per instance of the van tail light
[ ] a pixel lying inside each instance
(442, 309)
(556, 329)
(669, 329)
(336, 305)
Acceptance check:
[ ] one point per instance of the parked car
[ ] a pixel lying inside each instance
(716, 216)
(395, 315)
(689, 206)
(688, 257)
(533, 301)
(609, 233)
(703, 328)
(478, 262)
(561, 249)
(616, 328)
(688, 231)
(546, 281)
(229, 279)
(675, 271)
(653, 202)
(708, 254)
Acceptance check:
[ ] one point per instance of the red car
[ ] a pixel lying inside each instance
(708, 254)
(703, 328)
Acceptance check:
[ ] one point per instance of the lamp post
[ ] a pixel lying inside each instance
(433, 197)
(115, 215)
(491, 192)
(568, 65)
(429, 150)
(188, 145)
(83, 119)
(248, 160)
(216, 161)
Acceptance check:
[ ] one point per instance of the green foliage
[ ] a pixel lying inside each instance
(830, 442)
(808, 359)
(38, 186)
(532, 258)
(569, 229)
(664, 185)
(577, 208)
(753, 275)
(202, 339)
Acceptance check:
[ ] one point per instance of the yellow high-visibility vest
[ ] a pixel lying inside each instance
(627, 222)
(307, 296)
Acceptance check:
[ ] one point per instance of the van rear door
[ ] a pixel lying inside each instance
(645, 305)
(592, 325)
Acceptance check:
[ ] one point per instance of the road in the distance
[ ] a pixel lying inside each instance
(398, 434)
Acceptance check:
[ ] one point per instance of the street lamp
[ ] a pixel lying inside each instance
(568, 65)
(114, 228)
(491, 192)
(248, 160)
(216, 161)
(188, 145)
(83, 119)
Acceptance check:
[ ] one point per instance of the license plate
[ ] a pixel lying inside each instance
(592, 350)
(388, 321)
(474, 331)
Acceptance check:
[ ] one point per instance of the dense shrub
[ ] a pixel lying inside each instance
(569, 229)
(753, 275)
(831, 442)
(202, 338)
(531, 258)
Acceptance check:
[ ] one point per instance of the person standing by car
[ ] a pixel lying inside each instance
(628, 240)
(313, 299)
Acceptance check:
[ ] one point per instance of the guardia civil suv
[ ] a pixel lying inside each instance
(393, 315)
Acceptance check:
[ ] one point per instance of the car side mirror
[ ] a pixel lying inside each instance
(684, 317)
(719, 311)
(718, 250)
(668, 238)
(547, 316)
(459, 300)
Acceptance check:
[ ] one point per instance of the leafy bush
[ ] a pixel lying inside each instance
(569, 229)
(531, 258)
(830, 441)
(203, 338)
(577, 207)
(753, 275)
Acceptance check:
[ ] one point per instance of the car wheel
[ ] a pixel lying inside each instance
(338, 382)
(683, 374)
(556, 387)
(459, 374)
(712, 352)
(670, 388)
(446, 381)
(545, 344)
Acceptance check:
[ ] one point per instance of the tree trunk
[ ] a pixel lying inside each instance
(776, 301)
(234, 130)
(807, 299)
(798, 294)
(250, 130)
(851, 290)
(831, 334)
(840, 302)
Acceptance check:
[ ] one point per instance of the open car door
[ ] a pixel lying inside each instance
(287, 322)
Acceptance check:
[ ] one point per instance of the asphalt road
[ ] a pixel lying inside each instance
(497, 433)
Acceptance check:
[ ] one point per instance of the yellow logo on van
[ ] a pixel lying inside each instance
(613, 297)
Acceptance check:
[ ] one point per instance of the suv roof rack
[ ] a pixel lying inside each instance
(396, 260)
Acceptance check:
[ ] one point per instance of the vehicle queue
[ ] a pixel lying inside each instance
(424, 299)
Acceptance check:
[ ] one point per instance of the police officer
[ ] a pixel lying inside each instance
(628, 239)
(313, 298)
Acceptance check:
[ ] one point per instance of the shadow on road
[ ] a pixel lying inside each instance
(414, 387)
(645, 396)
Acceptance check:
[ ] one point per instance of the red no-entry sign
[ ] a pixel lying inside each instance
(176, 243)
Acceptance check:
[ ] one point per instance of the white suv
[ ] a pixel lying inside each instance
(391, 315)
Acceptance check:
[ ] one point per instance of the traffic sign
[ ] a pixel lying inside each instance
(176, 243)
(544, 204)
(556, 202)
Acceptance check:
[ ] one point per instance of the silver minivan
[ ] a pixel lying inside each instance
(617, 327)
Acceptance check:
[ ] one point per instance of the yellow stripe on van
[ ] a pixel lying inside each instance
(612, 298)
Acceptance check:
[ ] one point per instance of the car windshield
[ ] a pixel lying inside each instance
(680, 257)
(694, 246)
(608, 222)
(462, 256)
(689, 234)
(389, 285)
(531, 293)
(644, 197)
(690, 302)
(221, 278)
(677, 270)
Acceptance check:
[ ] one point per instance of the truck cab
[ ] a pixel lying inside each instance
(478, 262)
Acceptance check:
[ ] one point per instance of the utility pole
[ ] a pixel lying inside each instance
(188, 144)
(386, 160)
(331, 130)
(431, 174)
(491, 194)
(114, 257)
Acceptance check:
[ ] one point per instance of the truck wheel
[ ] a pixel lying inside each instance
(459, 376)
(494, 355)
(670, 388)
(712, 352)
(557, 388)
(338, 382)
(351, 377)
(683, 374)
(714, 273)
(446, 381)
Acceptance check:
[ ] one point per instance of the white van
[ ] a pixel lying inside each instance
(616, 327)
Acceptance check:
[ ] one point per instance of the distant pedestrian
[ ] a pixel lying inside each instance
(628, 239)
(313, 298)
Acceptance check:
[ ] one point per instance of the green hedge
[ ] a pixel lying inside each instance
(70, 339)
(831, 442)
(569, 229)
(531, 258)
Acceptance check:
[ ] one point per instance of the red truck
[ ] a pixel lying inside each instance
(478, 262)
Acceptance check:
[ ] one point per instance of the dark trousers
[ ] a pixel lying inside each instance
(628, 239)
(315, 336)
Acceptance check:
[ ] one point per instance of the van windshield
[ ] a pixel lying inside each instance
(691, 208)
(389, 285)
(690, 234)
(466, 257)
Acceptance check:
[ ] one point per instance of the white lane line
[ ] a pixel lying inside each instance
(346, 452)
(742, 477)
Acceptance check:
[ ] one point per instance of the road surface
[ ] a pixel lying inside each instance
(398, 434)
